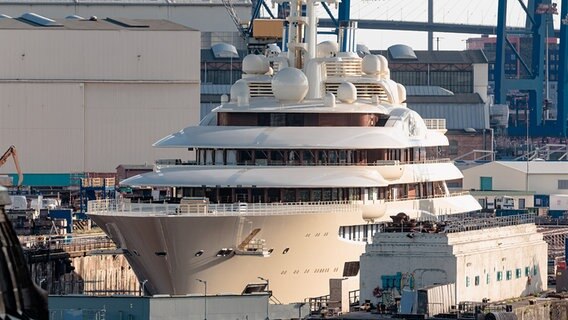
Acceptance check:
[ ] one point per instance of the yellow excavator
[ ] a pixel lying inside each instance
(12, 152)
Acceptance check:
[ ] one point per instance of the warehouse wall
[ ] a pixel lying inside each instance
(90, 100)
(43, 54)
(123, 121)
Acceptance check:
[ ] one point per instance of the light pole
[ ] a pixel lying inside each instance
(269, 294)
(143, 287)
(204, 298)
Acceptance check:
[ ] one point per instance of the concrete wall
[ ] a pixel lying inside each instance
(250, 307)
(93, 307)
(459, 258)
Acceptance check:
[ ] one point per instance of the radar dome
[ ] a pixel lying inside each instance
(255, 64)
(290, 84)
(327, 49)
(385, 72)
(347, 92)
(371, 65)
(240, 92)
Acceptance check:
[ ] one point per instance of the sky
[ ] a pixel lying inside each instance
(482, 12)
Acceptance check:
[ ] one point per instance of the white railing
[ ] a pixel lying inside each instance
(377, 163)
(435, 124)
(106, 206)
(453, 194)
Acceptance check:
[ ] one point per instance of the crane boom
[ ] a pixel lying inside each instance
(233, 14)
(12, 152)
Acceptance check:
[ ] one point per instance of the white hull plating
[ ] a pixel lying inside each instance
(306, 248)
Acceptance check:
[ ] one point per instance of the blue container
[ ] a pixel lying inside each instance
(541, 200)
(556, 213)
(66, 214)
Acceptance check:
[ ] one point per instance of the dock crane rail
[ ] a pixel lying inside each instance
(12, 152)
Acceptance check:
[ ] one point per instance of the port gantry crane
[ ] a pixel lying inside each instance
(12, 152)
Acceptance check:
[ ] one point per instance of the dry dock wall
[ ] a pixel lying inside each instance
(546, 310)
(102, 274)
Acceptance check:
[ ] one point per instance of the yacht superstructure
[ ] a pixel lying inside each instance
(291, 177)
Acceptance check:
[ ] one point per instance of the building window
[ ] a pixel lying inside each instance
(453, 148)
(563, 184)
(467, 281)
(521, 203)
(527, 271)
(488, 279)
(476, 280)
(509, 274)
(499, 275)
(518, 273)
(535, 270)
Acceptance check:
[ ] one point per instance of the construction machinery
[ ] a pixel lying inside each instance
(12, 152)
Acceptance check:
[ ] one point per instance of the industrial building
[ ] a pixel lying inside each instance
(544, 177)
(210, 17)
(85, 95)
(485, 258)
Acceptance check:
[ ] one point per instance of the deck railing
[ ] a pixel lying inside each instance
(444, 195)
(290, 208)
(378, 163)
(109, 206)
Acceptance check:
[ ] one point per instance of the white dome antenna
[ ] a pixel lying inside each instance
(255, 64)
(347, 92)
(371, 65)
(240, 93)
(290, 85)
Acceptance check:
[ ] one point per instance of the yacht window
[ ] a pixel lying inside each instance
(293, 157)
(316, 195)
(231, 157)
(289, 195)
(326, 195)
(277, 119)
(244, 157)
(351, 268)
(286, 251)
(334, 196)
(304, 195)
(308, 157)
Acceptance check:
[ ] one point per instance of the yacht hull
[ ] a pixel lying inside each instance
(302, 251)
(306, 252)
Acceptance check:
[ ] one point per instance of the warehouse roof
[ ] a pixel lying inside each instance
(450, 56)
(458, 116)
(34, 21)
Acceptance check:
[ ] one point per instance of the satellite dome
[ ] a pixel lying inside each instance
(327, 49)
(240, 92)
(255, 64)
(347, 92)
(371, 65)
(290, 84)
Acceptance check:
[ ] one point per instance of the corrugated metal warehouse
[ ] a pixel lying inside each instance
(87, 96)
